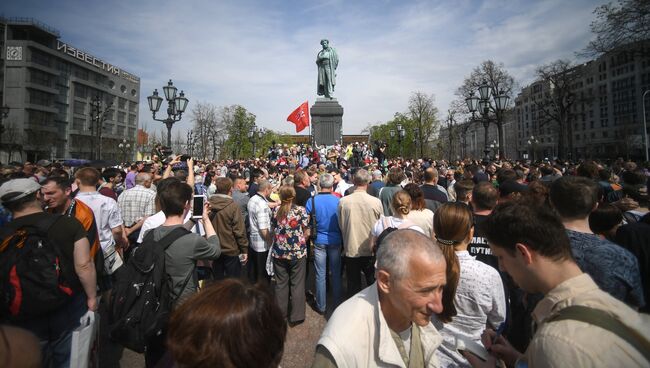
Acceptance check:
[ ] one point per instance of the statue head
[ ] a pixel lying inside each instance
(325, 42)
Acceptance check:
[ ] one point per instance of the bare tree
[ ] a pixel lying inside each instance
(206, 122)
(556, 104)
(12, 136)
(424, 113)
(500, 82)
(624, 27)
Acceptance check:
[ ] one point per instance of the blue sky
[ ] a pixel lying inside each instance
(261, 54)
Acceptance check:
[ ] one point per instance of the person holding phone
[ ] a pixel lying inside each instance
(182, 255)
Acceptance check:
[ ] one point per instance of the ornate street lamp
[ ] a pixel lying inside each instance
(400, 136)
(98, 115)
(175, 107)
(532, 144)
(124, 146)
(483, 105)
(4, 112)
(255, 134)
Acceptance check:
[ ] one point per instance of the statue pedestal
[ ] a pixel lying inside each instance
(327, 121)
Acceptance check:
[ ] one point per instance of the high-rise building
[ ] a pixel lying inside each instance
(605, 118)
(64, 102)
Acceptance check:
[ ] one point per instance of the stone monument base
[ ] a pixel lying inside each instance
(327, 121)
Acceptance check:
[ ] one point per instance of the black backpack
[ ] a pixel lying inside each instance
(34, 277)
(142, 295)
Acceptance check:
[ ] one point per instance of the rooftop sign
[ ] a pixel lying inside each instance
(97, 63)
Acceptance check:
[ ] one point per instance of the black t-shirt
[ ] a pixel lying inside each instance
(302, 195)
(479, 247)
(64, 232)
(433, 193)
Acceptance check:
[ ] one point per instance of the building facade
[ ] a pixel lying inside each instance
(64, 102)
(605, 119)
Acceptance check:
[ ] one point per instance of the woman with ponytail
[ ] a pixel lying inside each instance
(473, 297)
(290, 225)
(401, 207)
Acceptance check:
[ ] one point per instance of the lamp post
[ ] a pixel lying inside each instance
(98, 114)
(254, 134)
(483, 104)
(532, 144)
(494, 146)
(645, 127)
(392, 134)
(416, 138)
(4, 112)
(124, 146)
(175, 107)
(400, 136)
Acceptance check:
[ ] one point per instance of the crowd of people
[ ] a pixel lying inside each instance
(414, 262)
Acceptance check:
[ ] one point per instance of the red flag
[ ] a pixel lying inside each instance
(300, 117)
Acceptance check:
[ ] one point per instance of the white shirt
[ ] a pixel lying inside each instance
(390, 221)
(107, 216)
(479, 299)
(158, 219)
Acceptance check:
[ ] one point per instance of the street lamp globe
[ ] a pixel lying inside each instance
(170, 91)
(181, 102)
(399, 127)
(472, 102)
(484, 90)
(392, 133)
(501, 100)
(484, 106)
(154, 101)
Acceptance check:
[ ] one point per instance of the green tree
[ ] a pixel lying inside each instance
(238, 123)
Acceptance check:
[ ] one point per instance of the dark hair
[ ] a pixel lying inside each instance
(228, 324)
(62, 183)
(395, 176)
(504, 175)
(463, 188)
(110, 173)
(605, 218)
(588, 169)
(484, 196)
(574, 197)
(58, 172)
(298, 177)
(538, 227)
(451, 224)
(605, 174)
(173, 199)
(417, 196)
(256, 173)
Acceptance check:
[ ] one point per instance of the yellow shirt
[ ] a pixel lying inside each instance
(570, 343)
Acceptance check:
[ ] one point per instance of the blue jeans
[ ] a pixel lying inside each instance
(323, 254)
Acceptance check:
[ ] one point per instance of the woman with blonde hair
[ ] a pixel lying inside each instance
(474, 296)
(401, 207)
(290, 226)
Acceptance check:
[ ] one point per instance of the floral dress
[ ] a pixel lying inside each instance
(288, 238)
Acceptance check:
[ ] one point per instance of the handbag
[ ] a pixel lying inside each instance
(85, 341)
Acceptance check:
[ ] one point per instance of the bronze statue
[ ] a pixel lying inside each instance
(327, 61)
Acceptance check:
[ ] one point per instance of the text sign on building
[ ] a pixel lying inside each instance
(98, 63)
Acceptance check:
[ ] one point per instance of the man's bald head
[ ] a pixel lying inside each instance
(399, 247)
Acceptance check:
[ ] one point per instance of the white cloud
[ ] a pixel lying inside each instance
(261, 54)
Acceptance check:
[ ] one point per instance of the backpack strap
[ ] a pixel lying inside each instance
(607, 322)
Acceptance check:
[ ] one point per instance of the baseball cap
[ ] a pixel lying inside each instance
(44, 163)
(17, 188)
